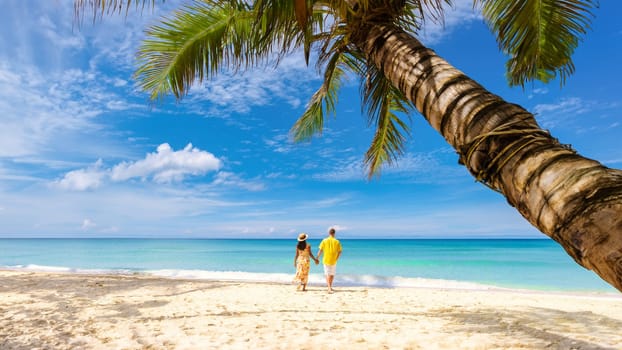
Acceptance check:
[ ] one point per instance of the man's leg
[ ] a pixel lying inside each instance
(327, 275)
(329, 271)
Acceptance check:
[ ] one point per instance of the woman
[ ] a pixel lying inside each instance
(301, 261)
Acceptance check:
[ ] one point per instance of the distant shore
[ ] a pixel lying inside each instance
(86, 311)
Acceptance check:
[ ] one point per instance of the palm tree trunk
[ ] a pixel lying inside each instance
(574, 200)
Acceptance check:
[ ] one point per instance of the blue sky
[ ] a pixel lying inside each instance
(83, 153)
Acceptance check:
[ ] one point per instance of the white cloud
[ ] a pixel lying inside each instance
(438, 167)
(350, 169)
(58, 36)
(166, 165)
(117, 82)
(83, 179)
(435, 167)
(117, 37)
(121, 105)
(572, 104)
(232, 180)
(150, 210)
(51, 101)
(163, 166)
(39, 109)
(338, 228)
(280, 143)
(333, 201)
(461, 13)
(538, 91)
(238, 93)
(551, 115)
(541, 91)
(87, 224)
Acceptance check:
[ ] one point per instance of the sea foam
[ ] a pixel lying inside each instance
(281, 278)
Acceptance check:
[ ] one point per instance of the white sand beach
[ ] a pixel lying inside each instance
(76, 311)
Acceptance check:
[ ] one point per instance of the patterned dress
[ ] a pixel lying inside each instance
(302, 266)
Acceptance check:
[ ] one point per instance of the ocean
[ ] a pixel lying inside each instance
(532, 264)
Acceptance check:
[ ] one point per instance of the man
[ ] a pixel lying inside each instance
(331, 247)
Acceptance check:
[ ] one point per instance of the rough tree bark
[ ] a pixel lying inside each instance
(572, 199)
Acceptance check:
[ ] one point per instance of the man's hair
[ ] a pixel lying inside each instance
(331, 231)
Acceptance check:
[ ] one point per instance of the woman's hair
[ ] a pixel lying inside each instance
(302, 245)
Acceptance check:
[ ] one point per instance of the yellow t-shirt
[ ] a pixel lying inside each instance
(331, 247)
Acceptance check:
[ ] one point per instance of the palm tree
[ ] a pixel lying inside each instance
(574, 200)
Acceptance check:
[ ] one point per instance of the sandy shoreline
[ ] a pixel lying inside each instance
(75, 311)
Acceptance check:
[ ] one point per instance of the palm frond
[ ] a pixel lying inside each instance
(323, 101)
(302, 9)
(303, 12)
(290, 22)
(103, 7)
(335, 8)
(336, 57)
(540, 36)
(197, 42)
(389, 139)
(433, 9)
(415, 13)
(381, 101)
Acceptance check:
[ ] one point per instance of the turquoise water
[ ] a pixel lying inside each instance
(537, 264)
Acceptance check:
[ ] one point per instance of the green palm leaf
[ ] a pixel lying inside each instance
(540, 36)
(322, 103)
(382, 100)
(101, 7)
(202, 39)
(291, 22)
(191, 46)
